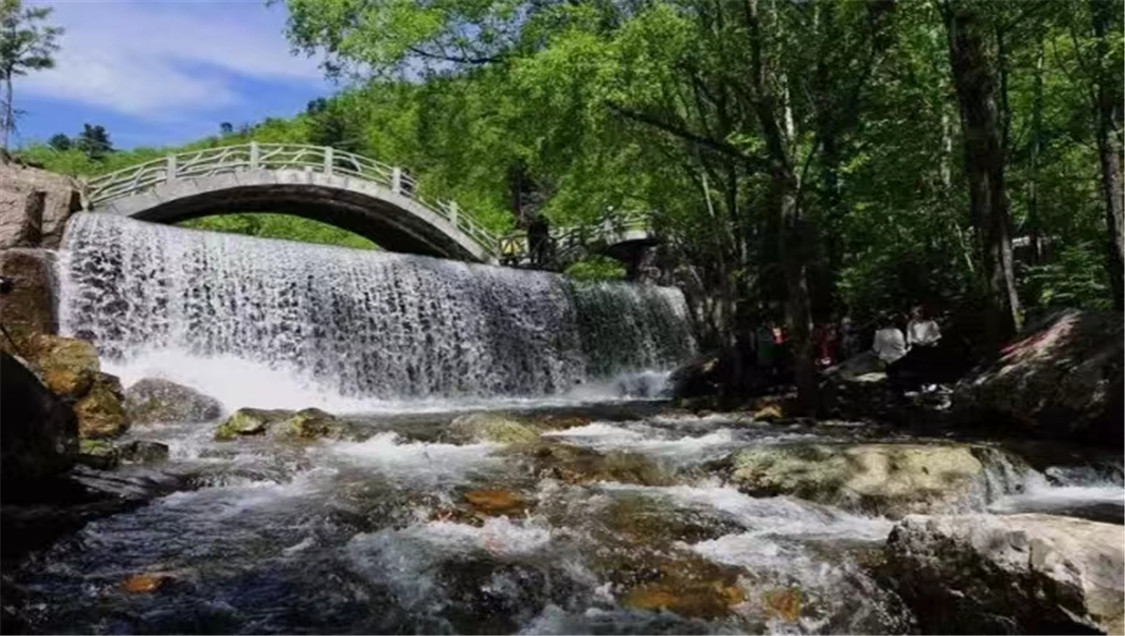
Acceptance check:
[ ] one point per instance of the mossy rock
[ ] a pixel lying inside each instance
(68, 366)
(309, 424)
(97, 453)
(578, 465)
(101, 411)
(492, 427)
(248, 421)
(886, 479)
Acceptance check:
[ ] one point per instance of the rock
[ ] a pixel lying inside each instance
(143, 452)
(1061, 380)
(768, 413)
(1026, 573)
(143, 583)
(155, 400)
(687, 585)
(101, 412)
(247, 421)
(577, 465)
(67, 366)
(38, 431)
(783, 603)
(886, 479)
(308, 424)
(495, 502)
(29, 308)
(35, 205)
(492, 427)
(305, 424)
(98, 454)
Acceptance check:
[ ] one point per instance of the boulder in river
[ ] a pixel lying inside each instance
(101, 411)
(29, 308)
(38, 434)
(1062, 380)
(306, 424)
(99, 454)
(492, 427)
(156, 400)
(143, 452)
(885, 479)
(1026, 573)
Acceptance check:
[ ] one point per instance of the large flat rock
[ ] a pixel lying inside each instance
(1026, 573)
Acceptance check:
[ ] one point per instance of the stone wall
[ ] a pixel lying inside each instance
(35, 205)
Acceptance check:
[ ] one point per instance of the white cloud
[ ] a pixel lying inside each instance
(166, 60)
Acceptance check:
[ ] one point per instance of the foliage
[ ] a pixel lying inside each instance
(93, 142)
(25, 45)
(596, 268)
(59, 142)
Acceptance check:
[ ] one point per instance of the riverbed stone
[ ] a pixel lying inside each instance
(141, 451)
(308, 424)
(248, 421)
(156, 400)
(886, 479)
(1061, 380)
(101, 411)
(492, 427)
(1025, 573)
(67, 366)
(495, 502)
(99, 454)
(577, 465)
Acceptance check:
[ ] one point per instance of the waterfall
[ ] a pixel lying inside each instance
(361, 324)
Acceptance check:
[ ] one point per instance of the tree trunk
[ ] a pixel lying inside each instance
(1036, 144)
(1109, 115)
(9, 123)
(974, 76)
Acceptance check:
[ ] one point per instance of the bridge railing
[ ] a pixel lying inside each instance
(325, 160)
(266, 156)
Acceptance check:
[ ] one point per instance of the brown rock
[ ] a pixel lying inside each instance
(28, 309)
(143, 583)
(784, 603)
(698, 599)
(101, 412)
(67, 366)
(495, 502)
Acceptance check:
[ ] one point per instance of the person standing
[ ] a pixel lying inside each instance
(922, 338)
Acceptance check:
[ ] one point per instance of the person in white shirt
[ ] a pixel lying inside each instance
(889, 343)
(921, 330)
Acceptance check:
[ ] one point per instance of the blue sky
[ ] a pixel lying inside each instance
(161, 72)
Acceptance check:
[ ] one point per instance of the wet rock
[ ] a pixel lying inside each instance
(887, 479)
(143, 583)
(156, 400)
(98, 454)
(492, 427)
(38, 431)
(783, 603)
(577, 465)
(29, 308)
(684, 584)
(67, 366)
(1062, 380)
(143, 452)
(1026, 573)
(495, 502)
(101, 411)
(308, 424)
(768, 413)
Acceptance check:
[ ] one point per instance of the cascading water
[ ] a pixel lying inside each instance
(358, 324)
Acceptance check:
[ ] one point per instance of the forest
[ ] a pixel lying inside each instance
(803, 160)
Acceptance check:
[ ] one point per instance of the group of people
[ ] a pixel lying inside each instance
(908, 355)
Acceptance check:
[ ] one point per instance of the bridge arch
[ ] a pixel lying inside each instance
(372, 199)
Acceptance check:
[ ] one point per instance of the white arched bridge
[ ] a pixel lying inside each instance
(372, 199)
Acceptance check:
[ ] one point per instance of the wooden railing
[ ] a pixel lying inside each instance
(208, 162)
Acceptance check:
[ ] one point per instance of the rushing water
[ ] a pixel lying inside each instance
(359, 325)
(377, 536)
(380, 532)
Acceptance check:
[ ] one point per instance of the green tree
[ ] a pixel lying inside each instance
(94, 142)
(25, 45)
(60, 142)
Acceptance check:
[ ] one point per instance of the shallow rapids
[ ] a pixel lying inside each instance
(410, 530)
